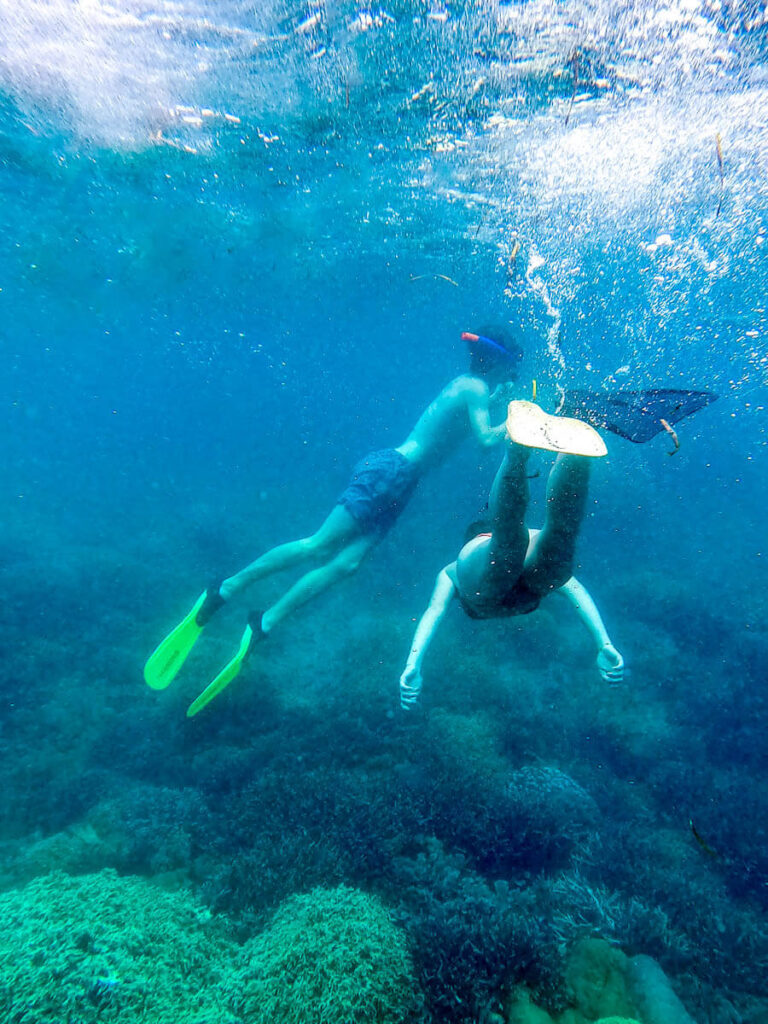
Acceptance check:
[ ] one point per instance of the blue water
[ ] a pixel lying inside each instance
(239, 247)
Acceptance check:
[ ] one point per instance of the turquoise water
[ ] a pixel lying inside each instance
(240, 246)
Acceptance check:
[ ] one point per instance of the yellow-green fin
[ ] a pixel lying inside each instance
(164, 663)
(225, 677)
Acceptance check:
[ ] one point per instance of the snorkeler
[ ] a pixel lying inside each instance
(505, 568)
(382, 484)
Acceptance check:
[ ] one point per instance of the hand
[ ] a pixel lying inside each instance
(610, 664)
(410, 687)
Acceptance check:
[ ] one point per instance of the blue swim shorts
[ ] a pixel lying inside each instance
(381, 486)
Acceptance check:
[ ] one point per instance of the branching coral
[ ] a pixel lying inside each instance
(332, 956)
(470, 935)
(108, 949)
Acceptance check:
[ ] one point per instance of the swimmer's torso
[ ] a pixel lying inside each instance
(445, 422)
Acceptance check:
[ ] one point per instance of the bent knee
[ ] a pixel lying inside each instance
(348, 562)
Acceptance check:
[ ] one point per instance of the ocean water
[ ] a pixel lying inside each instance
(240, 244)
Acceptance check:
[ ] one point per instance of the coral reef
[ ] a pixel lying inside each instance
(524, 807)
(108, 948)
(470, 935)
(103, 948)
(604, 986)
(554, 815)
(596, 980)
(332, 956)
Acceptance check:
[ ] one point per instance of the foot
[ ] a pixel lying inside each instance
(258, 633)
(213, 601)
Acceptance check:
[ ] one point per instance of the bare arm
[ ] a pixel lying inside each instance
(480, 420)
(610, 663)
(410, 680)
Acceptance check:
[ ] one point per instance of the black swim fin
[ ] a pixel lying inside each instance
(635, 415)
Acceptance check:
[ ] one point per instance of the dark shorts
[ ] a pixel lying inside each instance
(381, 486)
(517, 600)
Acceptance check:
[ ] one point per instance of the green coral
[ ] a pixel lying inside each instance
(596, 978)
(103, 948)
(616, 1020)
(522, 1010)
(596, 987)
(100, 948)
(332, 956)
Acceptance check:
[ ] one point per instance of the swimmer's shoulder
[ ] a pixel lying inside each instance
(465, 386)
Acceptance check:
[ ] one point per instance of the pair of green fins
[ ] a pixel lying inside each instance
(166, 661)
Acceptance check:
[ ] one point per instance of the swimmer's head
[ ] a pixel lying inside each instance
(493, 354)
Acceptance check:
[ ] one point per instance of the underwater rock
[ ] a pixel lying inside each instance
(651, 990)
(522, 1010)
(595, 976)
(604, 986)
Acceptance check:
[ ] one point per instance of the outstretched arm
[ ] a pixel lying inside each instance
(610, 663)
(410, 680)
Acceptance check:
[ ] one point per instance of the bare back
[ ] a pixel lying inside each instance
(458, 412)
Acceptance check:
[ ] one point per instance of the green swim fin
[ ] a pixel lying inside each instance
(225, 677)
(164, 663)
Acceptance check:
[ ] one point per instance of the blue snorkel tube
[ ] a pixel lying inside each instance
(466, 336)
(495, 351)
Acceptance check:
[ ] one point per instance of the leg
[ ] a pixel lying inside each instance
(338, 529)
(551, 561)
(316, 581)
(490, 569)
(507, 505)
